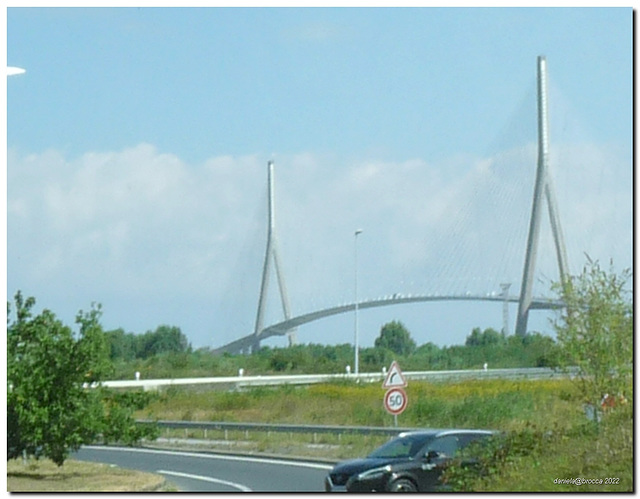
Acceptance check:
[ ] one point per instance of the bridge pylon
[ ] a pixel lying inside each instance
(543, 187)
(271, 257)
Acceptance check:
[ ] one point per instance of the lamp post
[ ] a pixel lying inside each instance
(356, 360)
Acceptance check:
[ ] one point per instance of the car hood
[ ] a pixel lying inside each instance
(354, 466)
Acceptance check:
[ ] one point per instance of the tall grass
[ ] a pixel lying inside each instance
(499, 404)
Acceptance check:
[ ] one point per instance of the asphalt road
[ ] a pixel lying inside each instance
(207, 472)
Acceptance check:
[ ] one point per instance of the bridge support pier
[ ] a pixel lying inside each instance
(271, 253)
(543, 186)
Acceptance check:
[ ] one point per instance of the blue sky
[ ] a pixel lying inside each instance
(354, 82)
(137, 143)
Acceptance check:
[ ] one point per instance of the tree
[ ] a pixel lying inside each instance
(375, 358)
(395, 337)
(166, 339)
(489, 337)
(51, 407)
(122, 345)
(129, 346)
(595, 331)
(429, 356)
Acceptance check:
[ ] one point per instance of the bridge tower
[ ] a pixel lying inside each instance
(271, 258)
(543, 187)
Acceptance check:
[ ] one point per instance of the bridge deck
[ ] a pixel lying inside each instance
(281, 328)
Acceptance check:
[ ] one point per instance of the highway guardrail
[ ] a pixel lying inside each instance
(237, 382)
(272, 427)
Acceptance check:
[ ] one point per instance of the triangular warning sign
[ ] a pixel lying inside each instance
(394, 377)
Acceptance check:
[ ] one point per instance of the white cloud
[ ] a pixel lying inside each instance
(157, 240)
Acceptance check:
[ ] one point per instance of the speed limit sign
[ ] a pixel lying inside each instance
(395, 401)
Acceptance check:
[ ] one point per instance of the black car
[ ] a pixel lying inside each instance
(410, 462)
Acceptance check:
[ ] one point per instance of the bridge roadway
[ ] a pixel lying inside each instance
(281, 328)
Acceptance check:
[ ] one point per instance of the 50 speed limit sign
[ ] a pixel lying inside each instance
(395, 401)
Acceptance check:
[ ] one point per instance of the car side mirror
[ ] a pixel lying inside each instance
(432, 455)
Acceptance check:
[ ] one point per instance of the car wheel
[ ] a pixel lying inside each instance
(402, 485)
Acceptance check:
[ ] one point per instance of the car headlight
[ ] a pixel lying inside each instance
(374, 473)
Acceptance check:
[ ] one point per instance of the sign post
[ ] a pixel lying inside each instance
(395, 399)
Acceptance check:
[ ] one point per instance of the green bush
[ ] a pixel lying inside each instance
(540, 459)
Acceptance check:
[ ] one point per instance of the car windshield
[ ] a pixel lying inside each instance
(405, 446)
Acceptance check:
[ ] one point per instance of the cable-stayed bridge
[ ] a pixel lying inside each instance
(543, 194)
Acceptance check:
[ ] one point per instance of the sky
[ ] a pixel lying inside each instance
(138, 140)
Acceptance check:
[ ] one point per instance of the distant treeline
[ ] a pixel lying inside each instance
(130, 346)
(166, 352)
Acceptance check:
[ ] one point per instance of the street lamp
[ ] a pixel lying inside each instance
(356, 360)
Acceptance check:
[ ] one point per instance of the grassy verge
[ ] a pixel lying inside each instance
(499, 404)
(496, 404)
(575, 449)
(76, 476)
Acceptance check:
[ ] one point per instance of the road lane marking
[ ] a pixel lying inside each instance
(238, 486)
(301, 464)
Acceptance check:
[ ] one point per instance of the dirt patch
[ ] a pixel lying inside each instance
(75, 476)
